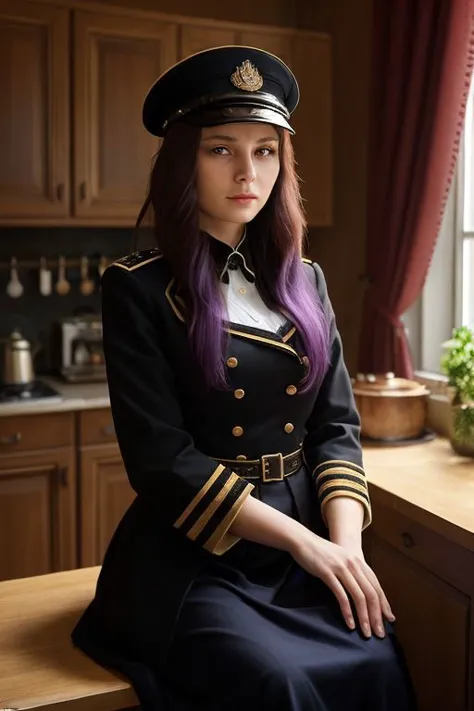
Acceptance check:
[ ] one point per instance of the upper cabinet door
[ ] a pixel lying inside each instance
(195, 38)
(116, 60)
(34, 118)
(312, 121)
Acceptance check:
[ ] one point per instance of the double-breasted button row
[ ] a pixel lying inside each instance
(238, 431)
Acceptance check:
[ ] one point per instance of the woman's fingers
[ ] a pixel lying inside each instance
(333, 584)
(386, 609)
(357, 590)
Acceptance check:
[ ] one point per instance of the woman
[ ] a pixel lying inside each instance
(236, 579)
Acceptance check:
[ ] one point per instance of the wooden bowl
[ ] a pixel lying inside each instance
(390, 408)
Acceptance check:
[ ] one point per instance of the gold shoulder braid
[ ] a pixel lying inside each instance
(137, 259)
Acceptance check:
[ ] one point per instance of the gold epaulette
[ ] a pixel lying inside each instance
(137, 259)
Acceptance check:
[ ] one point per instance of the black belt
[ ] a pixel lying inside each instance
(270, 467)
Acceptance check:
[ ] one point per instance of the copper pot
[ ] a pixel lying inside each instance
(390, 408)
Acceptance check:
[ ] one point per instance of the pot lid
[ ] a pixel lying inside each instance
(387, 385)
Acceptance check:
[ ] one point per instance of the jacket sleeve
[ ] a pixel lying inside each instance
(332, 444)
(188, 489)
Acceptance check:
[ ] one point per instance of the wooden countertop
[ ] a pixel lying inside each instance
(72, 396)
(428, 482)
(40, 668)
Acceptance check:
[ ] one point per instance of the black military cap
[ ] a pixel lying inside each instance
(232, 84)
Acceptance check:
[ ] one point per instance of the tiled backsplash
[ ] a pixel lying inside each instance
(33, 313)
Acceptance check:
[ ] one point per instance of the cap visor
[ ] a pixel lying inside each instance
(238, 114)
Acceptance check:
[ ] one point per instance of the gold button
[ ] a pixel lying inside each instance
(243, 290)
(291, 390)
(289, 428)
(305, 360)
(239, 394)
(241, 456)
(238, 431)
(232, 362)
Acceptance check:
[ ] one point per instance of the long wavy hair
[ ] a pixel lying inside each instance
(275, 238)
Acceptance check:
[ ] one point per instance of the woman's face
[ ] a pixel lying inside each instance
(237, 167)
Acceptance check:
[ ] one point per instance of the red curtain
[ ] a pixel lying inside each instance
(423, 56)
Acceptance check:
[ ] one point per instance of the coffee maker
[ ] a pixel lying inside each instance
(78, 350)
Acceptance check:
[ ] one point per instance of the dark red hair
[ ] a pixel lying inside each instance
(275, 236)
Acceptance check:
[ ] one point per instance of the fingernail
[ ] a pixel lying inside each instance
(367, 631)
(392, 618)
(351, 623)
(380, 631)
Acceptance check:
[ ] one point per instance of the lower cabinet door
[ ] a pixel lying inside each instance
(104, 496)
(37, 513)
(433, 627)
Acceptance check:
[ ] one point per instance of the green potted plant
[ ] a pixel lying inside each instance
(458, 364)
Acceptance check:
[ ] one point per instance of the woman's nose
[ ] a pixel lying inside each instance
(246, 171)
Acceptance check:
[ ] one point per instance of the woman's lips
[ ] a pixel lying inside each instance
(243, 199)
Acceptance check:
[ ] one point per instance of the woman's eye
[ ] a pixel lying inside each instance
(265, 151)
(219, 150)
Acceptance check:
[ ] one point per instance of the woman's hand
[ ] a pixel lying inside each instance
(344, 570)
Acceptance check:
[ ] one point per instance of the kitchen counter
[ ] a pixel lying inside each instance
(427, 482)
(72, 396)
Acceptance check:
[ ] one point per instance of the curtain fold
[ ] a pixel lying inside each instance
(422, 63)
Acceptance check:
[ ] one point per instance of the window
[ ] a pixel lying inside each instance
(447, 299)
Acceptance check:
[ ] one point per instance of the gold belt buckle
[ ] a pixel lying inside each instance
(272, 467)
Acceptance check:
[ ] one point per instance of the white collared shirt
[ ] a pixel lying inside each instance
(245, 305)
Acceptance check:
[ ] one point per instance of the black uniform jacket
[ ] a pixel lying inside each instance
(179, 439)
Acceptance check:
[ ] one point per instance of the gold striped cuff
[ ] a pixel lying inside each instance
(221, 541)
(335, 463)
(199, 496)
(208, 516)
(338, 477)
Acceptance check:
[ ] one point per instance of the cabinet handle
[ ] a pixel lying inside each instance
(108, 430)
(11, 439)
(60, 192)
(63, 476)
(408, 540)
(83, 191)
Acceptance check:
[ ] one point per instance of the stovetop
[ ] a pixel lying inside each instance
(37, 390)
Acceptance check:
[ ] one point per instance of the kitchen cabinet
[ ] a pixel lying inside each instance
(116, 60)
(73, 148)
(37, 495)
(104, 490)
(34, 119)
(433, 628)
(425, 565)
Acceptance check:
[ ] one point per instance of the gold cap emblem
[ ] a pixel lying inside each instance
(247, 77)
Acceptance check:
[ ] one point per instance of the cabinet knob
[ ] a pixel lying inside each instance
(108, 430)
(408, 540)
(11, 439)
(60, 192)
(63, 476)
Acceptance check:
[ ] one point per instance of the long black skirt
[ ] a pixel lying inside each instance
(256, 632)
